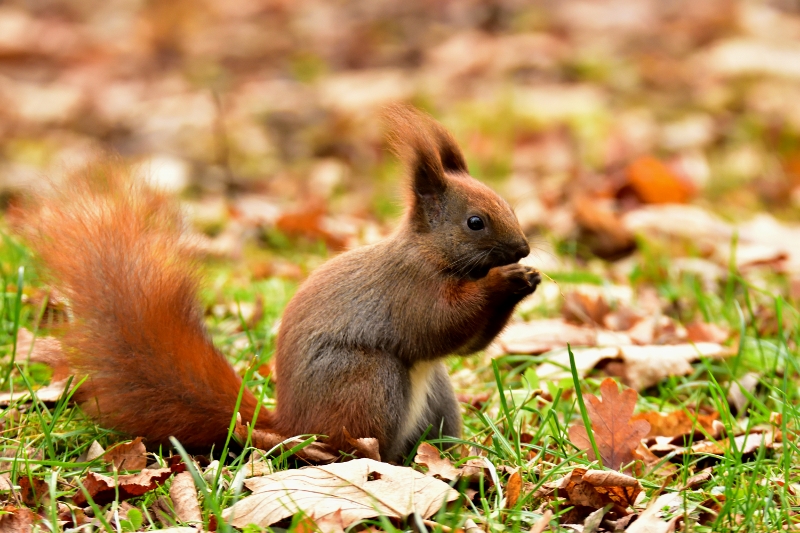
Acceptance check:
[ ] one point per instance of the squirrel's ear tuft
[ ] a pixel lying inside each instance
(449, 152)
(412, 140)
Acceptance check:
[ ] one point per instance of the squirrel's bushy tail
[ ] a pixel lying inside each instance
(116, 248)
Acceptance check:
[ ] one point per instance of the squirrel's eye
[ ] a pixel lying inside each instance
(475, 223)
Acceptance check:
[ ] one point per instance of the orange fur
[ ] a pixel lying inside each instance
(116, 249)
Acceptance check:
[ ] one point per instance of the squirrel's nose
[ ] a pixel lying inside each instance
(522, 251)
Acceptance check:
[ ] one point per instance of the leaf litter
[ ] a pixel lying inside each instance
(597, 140)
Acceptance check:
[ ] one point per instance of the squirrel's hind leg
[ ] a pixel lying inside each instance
(346, 389)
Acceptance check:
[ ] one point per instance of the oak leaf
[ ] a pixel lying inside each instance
(428, 455)
(614, 432)
(360, 489)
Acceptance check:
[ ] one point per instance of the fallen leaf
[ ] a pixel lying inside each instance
(477, 400)
(48, 395)
(438, 466)
(513, 489)
(651, 460)
(127, 455)
(645, 366)
(95, 450)
(650, 521)
(677, 423)
(655, 183)
(541, 336)
(364, 447)
(697, 480)
(736, 396)
(102, 489)
(593, 521)
(45, 350)
(310, 223)
(581, 308)
(615, 434)
(601, 228)
(184, 499)
(471, 527)
(556, 363)
(34, 491)
(330, 523)
(542, 523)
(17, 519)
(361, 489)
(705, 332)
(595, 488)
(315, 452)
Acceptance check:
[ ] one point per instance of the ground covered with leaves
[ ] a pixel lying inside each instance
(652, 153)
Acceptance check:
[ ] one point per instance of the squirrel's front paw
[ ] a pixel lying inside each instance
(519, 279)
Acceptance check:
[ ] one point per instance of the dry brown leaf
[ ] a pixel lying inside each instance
(102, 489)
(736, 396)
(645, 366)
(556, 366)
(310, 223)
(34, 491)
(316, 452)
(127, 455)
(595, 488)
(438, 466)
(542, 523)
(651, 460)
(184, 499)
(364, 447)
(616, 435)
(677, 423)
(45, 350)
(476, 400)
(705, 332)
(513, 489)
(601, 227)
(49, 394)
(95, 450)
(330, 523)
(650, 521)
(746, 444)
(697, 480)
(541, 336)
(593, 521)
(17, 519)
(581, 308)
(361, 489)
(655, 183)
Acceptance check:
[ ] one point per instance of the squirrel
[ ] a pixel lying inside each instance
(360, 348)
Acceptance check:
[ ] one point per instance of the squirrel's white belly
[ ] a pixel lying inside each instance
(421, 376)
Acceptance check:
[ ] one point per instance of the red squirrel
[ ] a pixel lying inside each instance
(361, 343)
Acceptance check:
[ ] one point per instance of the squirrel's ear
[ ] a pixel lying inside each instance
(411, 139)
(450, 154)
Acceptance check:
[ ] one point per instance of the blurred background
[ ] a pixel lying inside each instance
(597, 119)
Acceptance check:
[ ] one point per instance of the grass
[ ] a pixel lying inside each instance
(518, 428)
